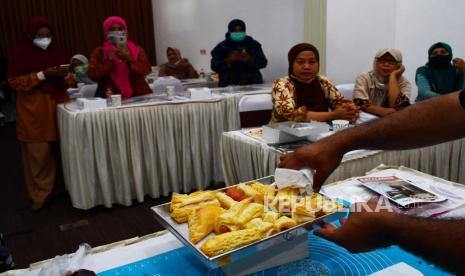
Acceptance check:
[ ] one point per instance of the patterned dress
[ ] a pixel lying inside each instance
(284, 95)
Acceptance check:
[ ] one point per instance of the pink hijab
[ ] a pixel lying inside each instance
(120, 73)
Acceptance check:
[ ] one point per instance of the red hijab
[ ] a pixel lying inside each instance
(28, 58)
(120, 73)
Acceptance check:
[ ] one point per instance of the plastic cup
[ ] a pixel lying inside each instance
(339, 125)
(115, 100)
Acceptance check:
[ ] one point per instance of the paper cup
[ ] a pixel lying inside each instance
(115, 100)
(340, 124)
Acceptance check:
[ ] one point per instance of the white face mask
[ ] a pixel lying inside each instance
(42, 42)
(116, 37)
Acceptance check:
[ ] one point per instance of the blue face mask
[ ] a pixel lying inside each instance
(237, 36)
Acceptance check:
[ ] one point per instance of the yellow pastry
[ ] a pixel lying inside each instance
(314, 206)
(249, 191)
(284, 223)
(183, 205)
(235, 218)
(228, 241)
(201, 222)
(264, 191)
(271, 217)
(226, 201)
(286, 199)
(265, 228)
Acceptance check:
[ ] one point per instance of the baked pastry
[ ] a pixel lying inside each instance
(271, 217)
(228, 241)
(314, 206)
(226, 201)
(182, 205)
(265, 228)
(284, 223)
(264, 191)
(201, 222)
(286, 198)
(235, 218)
(249, 191)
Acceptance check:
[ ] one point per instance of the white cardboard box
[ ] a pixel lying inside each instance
(273, 135)
(91, 103)
(200, 92)
(304, 129)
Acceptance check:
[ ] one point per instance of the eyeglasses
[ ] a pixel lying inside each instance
(388, 62)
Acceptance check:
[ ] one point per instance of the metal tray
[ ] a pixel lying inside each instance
(181, 231)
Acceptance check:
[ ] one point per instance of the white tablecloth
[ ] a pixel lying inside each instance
(146, 147)
(117, 155)
(245, 158)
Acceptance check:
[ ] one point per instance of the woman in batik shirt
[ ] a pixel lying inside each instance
(304, 95)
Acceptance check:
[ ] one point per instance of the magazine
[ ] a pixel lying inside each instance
(400, 191)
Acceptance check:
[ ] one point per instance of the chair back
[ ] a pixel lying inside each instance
(255, 110)
(347, 90)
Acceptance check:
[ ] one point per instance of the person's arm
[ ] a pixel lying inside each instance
(425, 123)
(191, 72)
(439, 241)
(219, 55)
(394, 89)
(259, 58)
(379, 110)
(362, 98)
(424, 88)
(459, 63)
(163, 72)
(98, 67)
(141, 65)
(284, 105)
(340, 112)
(29, 81)
(24, 83)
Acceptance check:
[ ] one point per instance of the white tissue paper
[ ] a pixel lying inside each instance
(302, 179)
(65, 264)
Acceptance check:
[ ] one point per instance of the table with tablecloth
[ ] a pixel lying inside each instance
(163, 254)
(115, 155)
(244, 158)
(145, 147)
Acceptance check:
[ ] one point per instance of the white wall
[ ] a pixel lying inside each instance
(191, 25)
(357, 28)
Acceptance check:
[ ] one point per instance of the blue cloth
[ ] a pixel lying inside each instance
(325, 258)
(232, 74)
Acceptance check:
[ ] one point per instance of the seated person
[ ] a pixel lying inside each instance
(177, 66)
(79, 66)
(239, 58)
(383, 90)
(438, 76)
(119, 65)
(304, 95)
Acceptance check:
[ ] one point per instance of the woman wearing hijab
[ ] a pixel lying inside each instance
(304, 95)
(383, 90)
(36, 76)
(119, 65)
(177, 66)
(239, 58)
(79, 67)
(438, 76)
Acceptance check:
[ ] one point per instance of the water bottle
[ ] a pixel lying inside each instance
(170, 91)
(108, 94)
